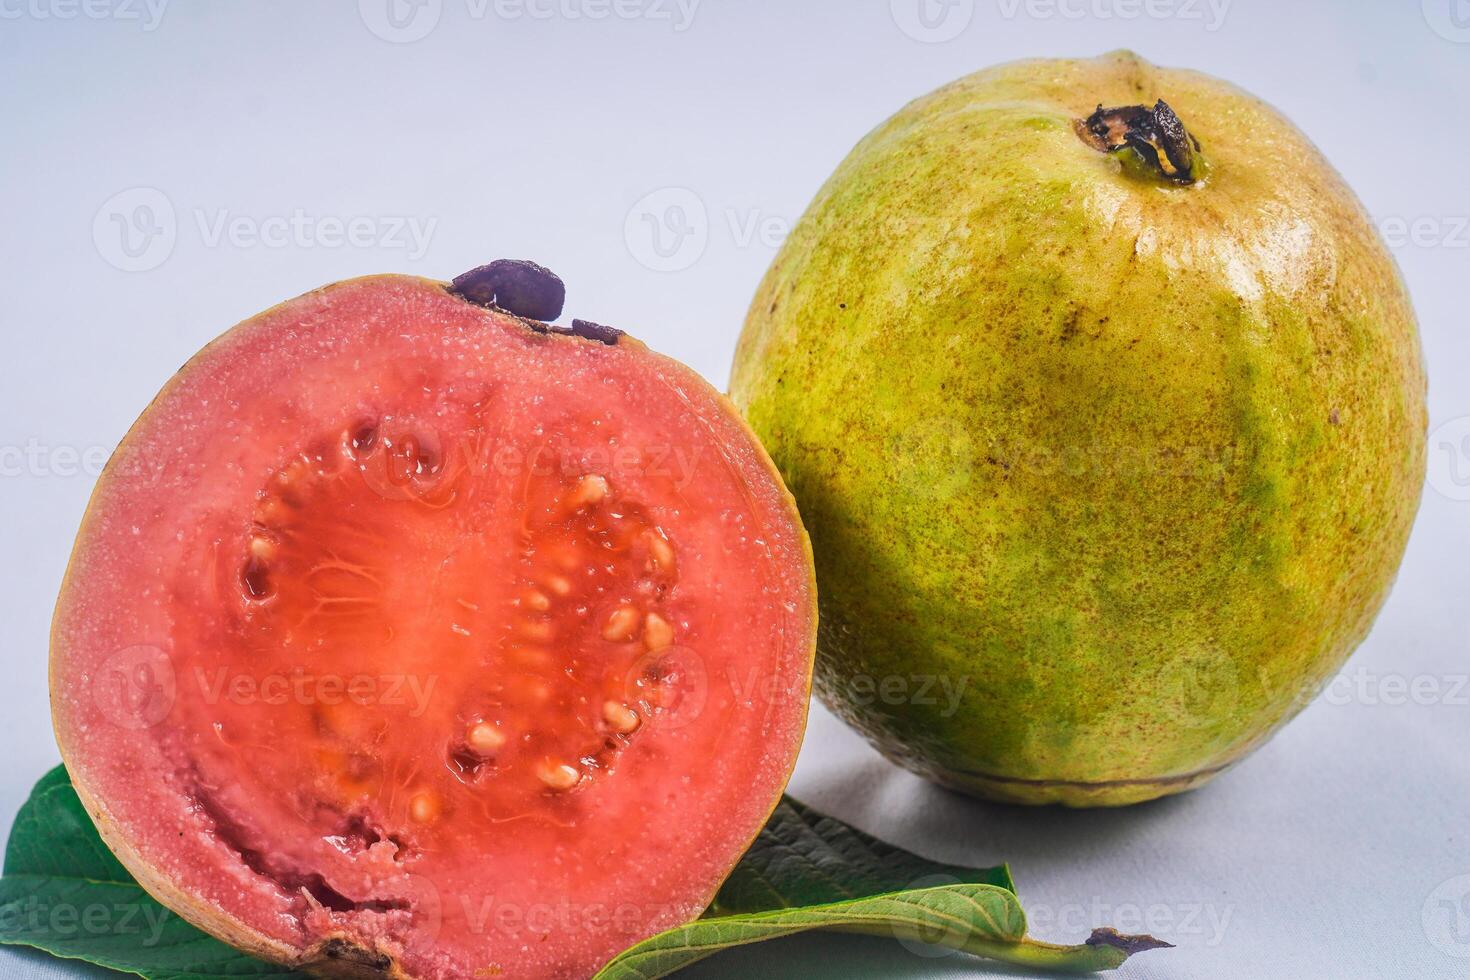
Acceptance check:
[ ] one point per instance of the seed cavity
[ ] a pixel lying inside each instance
(621, 625)
(620, 718)
(362, 438)
(657, 633)
(256, 578)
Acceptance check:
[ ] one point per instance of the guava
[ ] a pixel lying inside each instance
(409, 636)
(1103, 403)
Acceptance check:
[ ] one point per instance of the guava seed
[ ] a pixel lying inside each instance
(661, 551)
(558, 776)
(620, 718)
(591, 489)
(484, 738)
(423, 807)
(622, 625)
(657, 633)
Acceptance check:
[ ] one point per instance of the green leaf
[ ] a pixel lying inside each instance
(64, 892)
(805, 858)
(807, 871)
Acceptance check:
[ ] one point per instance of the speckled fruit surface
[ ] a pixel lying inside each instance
(407, 637)
(1106, 466)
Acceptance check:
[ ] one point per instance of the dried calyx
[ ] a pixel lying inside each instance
(530, 291)
(1156, 135)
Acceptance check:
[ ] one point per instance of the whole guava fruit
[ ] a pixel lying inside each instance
(1103, 404)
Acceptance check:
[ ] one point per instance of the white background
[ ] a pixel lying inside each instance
(535, 128)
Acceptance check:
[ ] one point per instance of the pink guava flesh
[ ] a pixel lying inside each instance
(405, 638)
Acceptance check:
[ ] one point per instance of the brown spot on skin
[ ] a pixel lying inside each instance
(1334, 417)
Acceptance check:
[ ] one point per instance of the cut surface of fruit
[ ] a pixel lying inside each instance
(408, 637)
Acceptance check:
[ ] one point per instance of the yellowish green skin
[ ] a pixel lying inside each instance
(1125, 464)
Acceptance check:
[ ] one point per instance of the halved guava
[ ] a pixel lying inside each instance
(405, 636)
